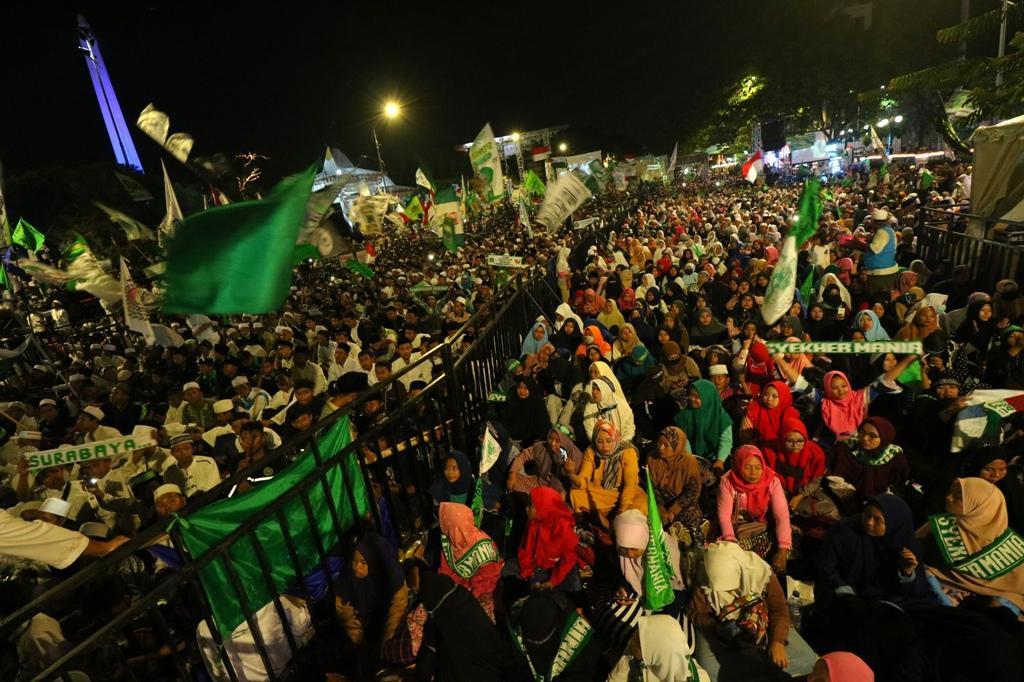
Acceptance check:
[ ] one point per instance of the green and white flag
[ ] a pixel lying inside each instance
(658, 571)
(446, 218)
(133, 229)
(779, 297)
(27, 236)
(486, 161)
(172, 211)
(534, 185)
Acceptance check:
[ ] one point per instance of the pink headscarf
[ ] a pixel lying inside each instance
(842, 416)
(846, 667)
(456, 522)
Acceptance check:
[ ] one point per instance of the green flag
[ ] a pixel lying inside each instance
(534, 185)
(5, 282)
(76, 247)
(779, 297)
(808, 213)
(657, 563)
(360, 268)
(208, 526)
(305, 252)
(28, 236)
(927, 179)
(807, 287)
(237, 258)
(478, 502)
(414, 209)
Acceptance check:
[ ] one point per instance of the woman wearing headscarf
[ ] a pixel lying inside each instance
(759, 368)
(630, 357)
(978, 330)
(742, 619)
(468, 555)
(544, 463)
(766, 413)
(459, 643)
(676, 330)
(870, 461)
(552, 641)
(747, 495)
(592, 337)
(535, 340)
(610, 316)
(705, 422)
(455, 481)
(609, 404)
(608, 482)
(371, 595)
(843, 409)
(525, 414)
(547, 556)
(992, 463)
(841, 666)
(907, 280)
(973, 551)
(676, 479)
(592, 304)
(873, 555)
(627, 301)
(661, 650)
(632, 533)
(833, 294)
(569, 336)
(867, 321)
(795, 458)
(924, 323)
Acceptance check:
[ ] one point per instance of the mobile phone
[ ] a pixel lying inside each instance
(563, 454)
(93, 481)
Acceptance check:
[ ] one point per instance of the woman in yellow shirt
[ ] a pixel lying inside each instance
(608, 481)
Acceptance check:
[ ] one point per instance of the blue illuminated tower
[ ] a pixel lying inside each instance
(117, 129)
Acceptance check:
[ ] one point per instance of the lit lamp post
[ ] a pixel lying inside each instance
(563, 147)
(391, 111)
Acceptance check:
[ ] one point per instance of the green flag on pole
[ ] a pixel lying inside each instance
(360, 268)
(237, 258)
(657, 565)
(28, 236)
(807, 287)
(5, 282)
(927, 179)
(414, 209)
(534, 185)
(808, 212)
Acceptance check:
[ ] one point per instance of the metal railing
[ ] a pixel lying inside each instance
(397, 457)
(941, 238)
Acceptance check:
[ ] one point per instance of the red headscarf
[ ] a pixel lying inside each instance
(627, 301)
(760, 368)
(551, 533)
(759, 493)
(842, 416)
(767, 422)
(795, 469)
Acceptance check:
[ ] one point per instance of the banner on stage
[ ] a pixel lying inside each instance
(846, 347)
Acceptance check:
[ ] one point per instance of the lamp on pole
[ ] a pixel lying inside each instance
(391, 111)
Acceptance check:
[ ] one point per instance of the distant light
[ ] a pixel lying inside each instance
(866, 126)
(515, 137)
(882, 87)
(563, 147)
(718, 184)
(884, 122)
(684, 184)
(898, 118)
(392, 109)
(430, 256)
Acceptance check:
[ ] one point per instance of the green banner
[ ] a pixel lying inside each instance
(207, 528)
(846, 347)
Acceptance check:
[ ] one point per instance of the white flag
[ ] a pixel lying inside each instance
(564, 196)
(876, 143)
(133, 229)
(490, 451)
(134, 312)
(422, 181)
(672, 163)
(172, 211)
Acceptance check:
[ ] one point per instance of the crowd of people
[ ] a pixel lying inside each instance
(848, 476)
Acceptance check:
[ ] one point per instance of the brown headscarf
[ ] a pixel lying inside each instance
(672, 474)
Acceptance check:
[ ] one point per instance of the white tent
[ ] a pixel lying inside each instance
(997, 184)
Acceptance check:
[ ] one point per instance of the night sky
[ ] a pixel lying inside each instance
(287, 79)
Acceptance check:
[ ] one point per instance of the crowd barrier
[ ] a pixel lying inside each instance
(941, 238)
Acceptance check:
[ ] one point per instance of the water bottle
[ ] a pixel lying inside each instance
(795, 604)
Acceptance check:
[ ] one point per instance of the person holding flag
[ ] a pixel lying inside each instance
(632, 543)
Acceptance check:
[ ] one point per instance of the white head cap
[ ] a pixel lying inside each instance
(165, 489)
(55, 506)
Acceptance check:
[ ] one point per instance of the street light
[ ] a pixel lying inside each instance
(563, 147)
(515, 137)
(391, 111)
(898, 118)
(884, 122)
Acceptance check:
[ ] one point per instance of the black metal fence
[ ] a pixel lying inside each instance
(152, 636)
(942, 238)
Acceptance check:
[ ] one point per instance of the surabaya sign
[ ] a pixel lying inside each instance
(76, 454)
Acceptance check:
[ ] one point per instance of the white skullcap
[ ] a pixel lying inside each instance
(191, 384)
(55, 506)
(717, 370)
(239, 381)
(95, 412)
(880, 214)
(222, 406)
(165, 489)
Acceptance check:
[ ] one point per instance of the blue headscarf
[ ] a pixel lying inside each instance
(531, 346)
(877, 332)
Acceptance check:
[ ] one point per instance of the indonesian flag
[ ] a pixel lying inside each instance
(986, 408)
(541, 153)
(753, 167)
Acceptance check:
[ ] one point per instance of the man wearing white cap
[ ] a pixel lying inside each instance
(13, 449)
(49, 544)
(168, 500)
(198, 410)
(90, 430)
(880, 254)
(49, 482)
(201, 473)
(249, 398)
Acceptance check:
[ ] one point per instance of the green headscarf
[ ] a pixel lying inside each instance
(704, 426)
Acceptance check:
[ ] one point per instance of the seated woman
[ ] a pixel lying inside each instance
(873, 555)
(468, 555)
(630, 357)
(746, 495)
(535, 340)
(843, 409)
(568, 337)
(707, 426)
(991, 462)
(743, 627)
(592, 337)
(972, 550)
(547, 557)
(870, 461)
(795, 458)
(459, 642)
(526, 414)
(608, 483)
(547, 462)
(609, 405)
(553, 641)
(661, 650)
(371, 595)
(455, 482)
(765, 415)
(631, 536)
(676, 479)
